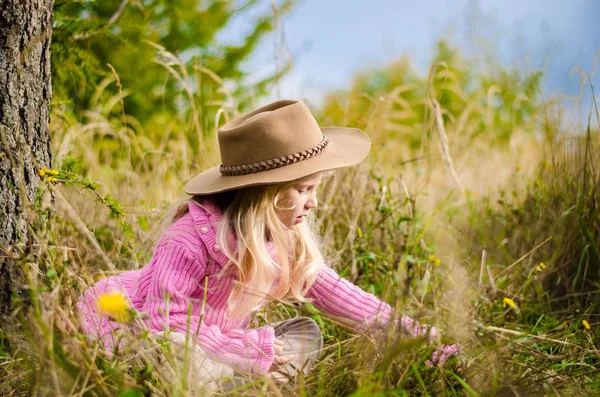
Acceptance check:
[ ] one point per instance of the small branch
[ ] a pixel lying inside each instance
(444, 145)
(118, 13)
(80, 225)
(525, 256)
(415, 159)
(518, 333)
(482, 265)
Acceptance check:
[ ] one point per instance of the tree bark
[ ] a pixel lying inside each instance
(25, 93)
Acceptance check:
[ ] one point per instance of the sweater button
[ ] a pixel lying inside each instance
(216, 248)
(204, 230)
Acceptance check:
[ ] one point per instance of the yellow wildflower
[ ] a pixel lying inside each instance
(508, 302)
(586, 324)
(434, 260)
(52, 179)
(114, 304)
(540, 267)
(45, 171)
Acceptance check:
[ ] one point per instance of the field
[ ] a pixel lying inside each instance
(478, 213)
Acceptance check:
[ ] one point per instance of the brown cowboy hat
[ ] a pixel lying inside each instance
(279, 142)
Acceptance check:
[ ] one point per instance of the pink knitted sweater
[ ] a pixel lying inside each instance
(170, 289)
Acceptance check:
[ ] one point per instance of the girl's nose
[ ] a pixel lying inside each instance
(312, 202)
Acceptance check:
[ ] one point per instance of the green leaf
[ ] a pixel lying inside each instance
(465, 385)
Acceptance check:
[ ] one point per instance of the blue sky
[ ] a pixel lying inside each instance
(329, 40)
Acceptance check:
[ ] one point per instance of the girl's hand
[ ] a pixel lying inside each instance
(444, 354)
(416, 329)
(279, 359)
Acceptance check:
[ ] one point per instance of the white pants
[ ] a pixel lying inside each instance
(302, 342)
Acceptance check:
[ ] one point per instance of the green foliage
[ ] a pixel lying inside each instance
(68, 173)
(139, 91)
(103, 50)
(553, 222)
(387, 252)
(395, 101)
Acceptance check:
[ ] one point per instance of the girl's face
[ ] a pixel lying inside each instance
(301, 196)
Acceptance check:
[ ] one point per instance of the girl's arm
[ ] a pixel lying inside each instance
(176, 276)
(339, 297)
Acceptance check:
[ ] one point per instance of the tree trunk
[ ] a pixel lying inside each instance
(25, 92)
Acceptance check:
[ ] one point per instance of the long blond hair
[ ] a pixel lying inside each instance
(251, 214)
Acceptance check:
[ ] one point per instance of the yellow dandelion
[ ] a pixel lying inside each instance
(508, 302)
(586, 324)
(45, 171)
(114, 304)
(435, 260)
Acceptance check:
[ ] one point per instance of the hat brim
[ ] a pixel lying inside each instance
(347, 147)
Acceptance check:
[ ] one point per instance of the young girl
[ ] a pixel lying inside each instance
(245, 238)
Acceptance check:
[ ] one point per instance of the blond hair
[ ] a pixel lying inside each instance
(251, 214)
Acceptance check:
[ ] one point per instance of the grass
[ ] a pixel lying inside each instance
(443, 244)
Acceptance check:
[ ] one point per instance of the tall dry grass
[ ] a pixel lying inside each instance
(385, 223)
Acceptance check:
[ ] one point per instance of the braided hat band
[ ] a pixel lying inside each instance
(278, 162)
